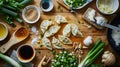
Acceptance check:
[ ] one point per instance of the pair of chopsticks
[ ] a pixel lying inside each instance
(42, 62)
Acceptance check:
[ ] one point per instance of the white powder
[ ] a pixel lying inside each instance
(100, 20)
(116, 37)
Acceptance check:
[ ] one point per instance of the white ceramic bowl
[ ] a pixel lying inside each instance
(31, 7)
(6, 31)
(114, 8)
(51, 5)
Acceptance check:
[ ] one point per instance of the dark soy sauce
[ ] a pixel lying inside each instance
(45, 5)
(26, 52)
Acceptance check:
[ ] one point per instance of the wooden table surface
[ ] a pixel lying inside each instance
(72, 18)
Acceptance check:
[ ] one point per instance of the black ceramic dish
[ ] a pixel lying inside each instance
(115, 22)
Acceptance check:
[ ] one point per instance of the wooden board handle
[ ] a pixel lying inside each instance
(62, 4)
(5, 47)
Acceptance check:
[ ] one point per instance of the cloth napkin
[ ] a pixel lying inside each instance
(14, 57)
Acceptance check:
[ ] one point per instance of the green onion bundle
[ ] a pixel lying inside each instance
(9, 10)
(96, 51)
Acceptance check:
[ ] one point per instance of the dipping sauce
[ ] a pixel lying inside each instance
(45, 5)
(3, 31)
(22, 32)
(31, 14)
(25, 52)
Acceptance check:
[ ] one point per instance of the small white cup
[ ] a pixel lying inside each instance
(26, 49)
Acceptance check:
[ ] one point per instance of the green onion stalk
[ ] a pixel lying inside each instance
(95, 52)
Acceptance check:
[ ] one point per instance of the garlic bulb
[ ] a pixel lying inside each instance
(88, 41)
(108, 58)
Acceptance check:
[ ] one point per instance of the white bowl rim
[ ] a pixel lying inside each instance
(6, 31)
(50, 7)
(80, 7)
(111, 12)
(26, 61)
(29, 7)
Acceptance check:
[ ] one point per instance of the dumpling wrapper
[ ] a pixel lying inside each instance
(52, 30)
(60, 19)
(100, 20)
(75, 31)
(56, 43)
(64, 39)
(67, 30)
(45, 24)
(46, 42)
(91, 15)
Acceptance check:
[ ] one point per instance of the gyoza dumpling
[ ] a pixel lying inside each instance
(52, 30)
(45, 24)
(46, 42)
(60, 19)
(75, 31)
(56, 43)
(64, 39)
(67, 30)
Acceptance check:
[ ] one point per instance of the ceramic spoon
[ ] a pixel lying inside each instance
(109, 26)
(18, 36)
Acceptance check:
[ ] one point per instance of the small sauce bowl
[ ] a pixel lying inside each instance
(25, 53)
(46, 6)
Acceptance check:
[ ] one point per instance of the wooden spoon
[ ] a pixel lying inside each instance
(18, 36)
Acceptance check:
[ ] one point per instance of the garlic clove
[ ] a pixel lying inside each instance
(105, 56)
(88, 41)
(103, 60)
(44, 63)
(106, 52)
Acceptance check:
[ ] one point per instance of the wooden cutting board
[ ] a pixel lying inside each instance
(58, 10)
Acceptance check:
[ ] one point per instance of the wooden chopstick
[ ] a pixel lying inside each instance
(62, 4)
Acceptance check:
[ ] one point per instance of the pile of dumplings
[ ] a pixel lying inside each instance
(49, 29)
